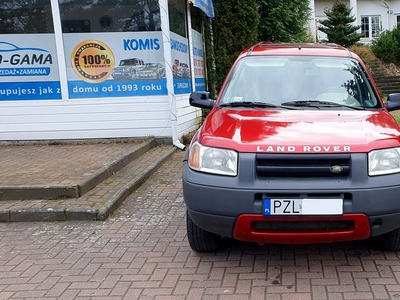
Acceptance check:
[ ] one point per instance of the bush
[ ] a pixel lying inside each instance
(364, 52)
(386, 47)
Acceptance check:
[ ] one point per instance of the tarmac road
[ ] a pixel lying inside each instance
(141, 252)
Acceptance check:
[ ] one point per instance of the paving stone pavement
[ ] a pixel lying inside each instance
(141, 252)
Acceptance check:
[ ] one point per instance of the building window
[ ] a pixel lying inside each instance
(177, 19)
(398, 19)
(370, 26)
(106, 16)
(196, 17)
(22, 17)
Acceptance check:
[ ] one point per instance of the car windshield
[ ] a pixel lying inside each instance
(295, 80)
(150, 65)
(128, 62)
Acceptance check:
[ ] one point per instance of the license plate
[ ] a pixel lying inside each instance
(304, 206)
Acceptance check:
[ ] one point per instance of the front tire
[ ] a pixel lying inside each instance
(390, 241)
(199, 239)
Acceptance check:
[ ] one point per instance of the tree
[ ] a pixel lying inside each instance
(338, 26)
(284, 21)
(387, 46)
(234, 28)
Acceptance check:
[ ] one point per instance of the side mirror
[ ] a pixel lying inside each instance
(201, 100)
(393, 102)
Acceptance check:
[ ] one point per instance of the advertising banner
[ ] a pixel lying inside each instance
(29, 67)
(180, 64)
(206, 6)
(198, 59)
(118, 64)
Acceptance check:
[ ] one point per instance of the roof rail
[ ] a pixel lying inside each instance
(302, 45)
(252, 47)
(299, 45)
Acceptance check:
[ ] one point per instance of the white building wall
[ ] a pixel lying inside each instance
(189, 117)
(84, 119)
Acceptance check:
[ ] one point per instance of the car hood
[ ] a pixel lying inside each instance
(299, 131)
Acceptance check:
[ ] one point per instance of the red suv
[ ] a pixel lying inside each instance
(298, 148)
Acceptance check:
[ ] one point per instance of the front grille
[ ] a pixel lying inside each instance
(302, 165)
(303, 226)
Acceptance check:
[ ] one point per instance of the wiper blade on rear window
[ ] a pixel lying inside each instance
(319, 103)
(246, 104)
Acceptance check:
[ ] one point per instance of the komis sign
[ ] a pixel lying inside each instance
(141, 44)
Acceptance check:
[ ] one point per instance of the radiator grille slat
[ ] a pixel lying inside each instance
(303, 165)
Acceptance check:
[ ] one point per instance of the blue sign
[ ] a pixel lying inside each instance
(111, 88)
(200, 84)
(40, 90)
(206, 6)
(182, 85)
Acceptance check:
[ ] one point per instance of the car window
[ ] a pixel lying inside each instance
(277, 80)
(129, 62)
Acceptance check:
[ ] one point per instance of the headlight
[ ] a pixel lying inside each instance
(385, 161)
(213, 160)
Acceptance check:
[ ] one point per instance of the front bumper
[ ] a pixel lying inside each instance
(231, 206)
(306, 230)
(147, 76)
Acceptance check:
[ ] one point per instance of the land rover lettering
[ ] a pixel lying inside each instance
(303, 148)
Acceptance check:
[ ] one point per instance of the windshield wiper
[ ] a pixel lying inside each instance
(247, 104)
(319, 103)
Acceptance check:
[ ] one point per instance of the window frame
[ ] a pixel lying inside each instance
(371, 29)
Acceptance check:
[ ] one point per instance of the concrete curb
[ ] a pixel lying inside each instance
(37, 192)
(104, 173)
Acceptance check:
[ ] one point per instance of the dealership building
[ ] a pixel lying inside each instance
(80, 69)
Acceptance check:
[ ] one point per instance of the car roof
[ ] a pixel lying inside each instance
(296, 49)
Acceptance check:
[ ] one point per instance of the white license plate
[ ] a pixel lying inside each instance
(304, 206)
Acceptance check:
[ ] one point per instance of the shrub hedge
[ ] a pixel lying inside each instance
(387, 46)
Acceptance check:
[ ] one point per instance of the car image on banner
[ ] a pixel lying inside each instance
(151, 71)
(183, 71)
(127, 69)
